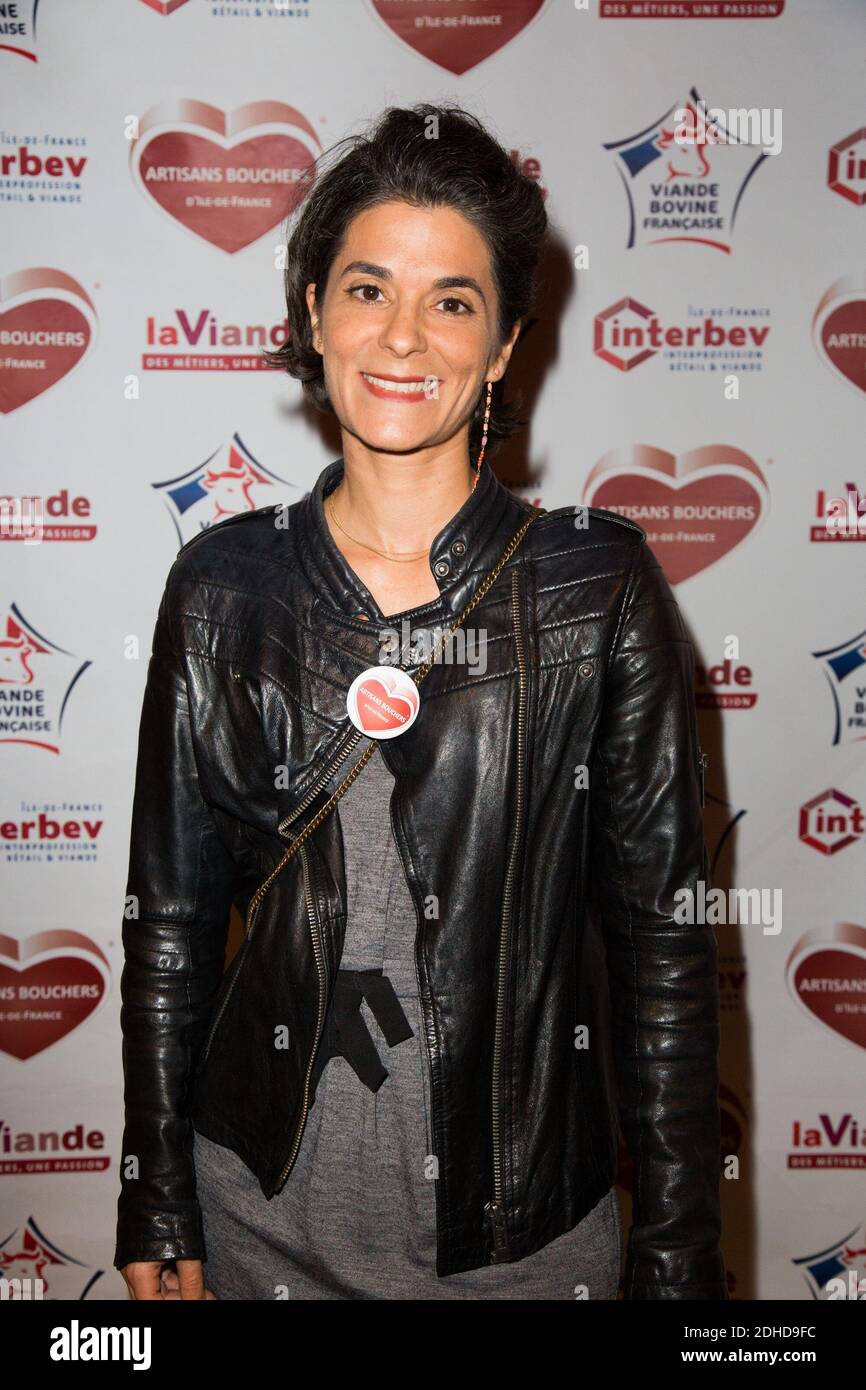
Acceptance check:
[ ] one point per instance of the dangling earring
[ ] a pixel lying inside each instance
(483, 435)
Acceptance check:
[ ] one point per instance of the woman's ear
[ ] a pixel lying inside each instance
(497, 366)
(313, 311)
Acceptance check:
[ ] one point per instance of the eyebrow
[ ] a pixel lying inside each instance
(445, 282)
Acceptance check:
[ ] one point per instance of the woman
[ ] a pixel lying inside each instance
(403, 1086)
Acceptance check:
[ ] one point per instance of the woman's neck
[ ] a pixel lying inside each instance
(398, 503)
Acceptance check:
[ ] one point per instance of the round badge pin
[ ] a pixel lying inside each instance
(383, 702)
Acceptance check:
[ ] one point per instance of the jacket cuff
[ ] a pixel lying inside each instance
(144, 1235)
(713, 1285)
(637, 1290)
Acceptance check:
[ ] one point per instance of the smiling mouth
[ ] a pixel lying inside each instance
(411, 388)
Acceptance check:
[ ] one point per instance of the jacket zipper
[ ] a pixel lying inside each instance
(427, 1012)
(228, 995)
(248, 931)
(321, 967)
(316, 934)
(324, 777)
(495, 1210)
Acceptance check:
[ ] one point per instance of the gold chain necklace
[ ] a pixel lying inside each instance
(404, 559)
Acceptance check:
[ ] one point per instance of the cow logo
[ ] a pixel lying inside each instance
(839, 329)
(47, 327)
(34, 691)
(845, 669)
(34, 1266)
(227, 178)
(695, 508)
(685, 175)
(228, 482)
(839, 1272)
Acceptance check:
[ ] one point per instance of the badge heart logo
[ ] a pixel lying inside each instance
(47, 325)
(165, 7)
(383, 702)
(839, 329)
(227, 178)
(694, 507)
(49, 984)
(827, 975)
(457, 34)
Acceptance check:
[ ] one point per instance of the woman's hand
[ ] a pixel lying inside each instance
(151, 1279)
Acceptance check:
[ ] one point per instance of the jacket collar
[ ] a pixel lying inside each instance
(461, 554)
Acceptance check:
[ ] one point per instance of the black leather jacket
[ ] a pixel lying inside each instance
(555, 898)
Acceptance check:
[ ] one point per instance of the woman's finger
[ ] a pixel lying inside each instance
(143, 1281)
(190, 1279)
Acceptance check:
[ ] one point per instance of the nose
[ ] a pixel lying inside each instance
(401, 331)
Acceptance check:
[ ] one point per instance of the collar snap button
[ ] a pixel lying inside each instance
(442, 567)
(458, 547)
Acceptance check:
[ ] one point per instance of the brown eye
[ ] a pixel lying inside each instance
(355, 288)
(462, 303)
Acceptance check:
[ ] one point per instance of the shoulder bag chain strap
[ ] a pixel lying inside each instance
(365, 757)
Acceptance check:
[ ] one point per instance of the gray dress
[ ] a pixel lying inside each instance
(356, 1218)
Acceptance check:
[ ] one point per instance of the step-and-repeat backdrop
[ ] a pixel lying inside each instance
(696, 360)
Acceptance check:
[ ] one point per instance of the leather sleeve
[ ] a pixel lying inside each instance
(181, 881)
(646, 843)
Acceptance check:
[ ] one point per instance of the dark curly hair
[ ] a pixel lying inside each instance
(461, 167)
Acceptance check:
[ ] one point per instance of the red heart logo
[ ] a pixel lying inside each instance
(215, 176)
(165, 7)
(830, 979)
(452, 34)
(694, 508)
(45, 1000)
(383, 701)
(45, 335)
(839, 329)
(379, 709)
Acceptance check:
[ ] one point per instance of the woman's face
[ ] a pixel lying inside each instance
(410, 300)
